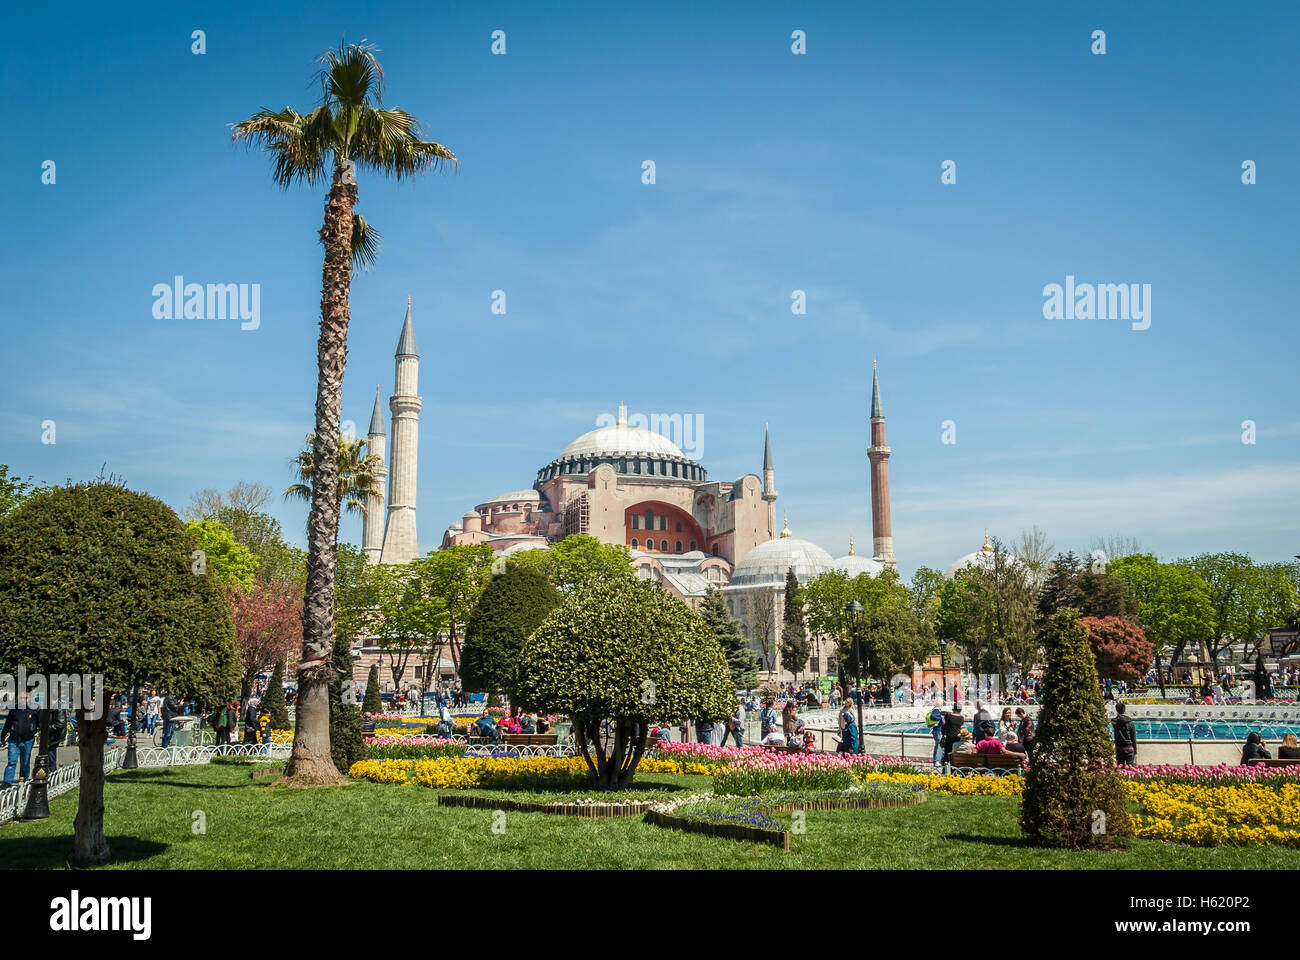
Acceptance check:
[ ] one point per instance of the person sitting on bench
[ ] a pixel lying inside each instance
(1290, 749)
(964, 744)
(1254, 749)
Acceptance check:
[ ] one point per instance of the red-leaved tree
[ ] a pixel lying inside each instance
(268, 625)
(1122, 650)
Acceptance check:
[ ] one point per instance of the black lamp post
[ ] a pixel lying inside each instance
(38, 795)
(854, 610)
(943, 668)
(130, 762)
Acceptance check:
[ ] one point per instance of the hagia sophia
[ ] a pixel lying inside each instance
(629, 485)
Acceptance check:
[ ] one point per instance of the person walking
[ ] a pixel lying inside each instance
(934, 721)
(20, 728)
(766, 719)
(737, 723)
(171, 709)
(982, 725)
(848, 731)
(1125, 736)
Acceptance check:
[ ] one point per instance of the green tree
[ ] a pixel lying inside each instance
(623, 652)
(1073, 797)
(409, 616)
(97, 579)
(892, 641)
(262, 535)
(371, 703)
(349, 128)
(578, 560)
(512, 606)
(228, 559)
(273, 702)
(356, 595)
(347, 739)
(1173, 605)
(795, 645)
(741, 660)
(14, 490)
(457, 577)
(1246, 600)
(988, 611)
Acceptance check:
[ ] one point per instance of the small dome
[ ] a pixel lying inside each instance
(854, 565)
(768, 562)
(518, 495)
(521, 547)
(982, 557)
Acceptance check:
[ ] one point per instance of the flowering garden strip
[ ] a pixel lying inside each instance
(521, 773)
(1210, 814)
(412, 748)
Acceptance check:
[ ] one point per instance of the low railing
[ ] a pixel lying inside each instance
(68, 776)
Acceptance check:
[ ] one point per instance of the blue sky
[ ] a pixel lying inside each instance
(775, 173)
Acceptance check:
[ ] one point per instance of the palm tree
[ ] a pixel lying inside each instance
(356, 475)
(349, 127)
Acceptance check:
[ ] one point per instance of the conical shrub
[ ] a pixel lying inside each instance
(1073, 796)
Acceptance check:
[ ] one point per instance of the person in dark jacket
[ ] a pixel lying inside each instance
(1254, 749)
(1025, 732)
(953, 724)
(171, 709)
(20, 729)
(1126, 743)
(1290, 749)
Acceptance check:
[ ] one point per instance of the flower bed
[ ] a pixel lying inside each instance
(413, 748)
(462, 773)
(1209, 814)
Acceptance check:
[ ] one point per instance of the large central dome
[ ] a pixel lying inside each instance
(622, 440)
(768, 562)
(631, 451)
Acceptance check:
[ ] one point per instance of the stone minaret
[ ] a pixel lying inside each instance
(400, 544)
(878, 454)
(372, 536)
(769, 483)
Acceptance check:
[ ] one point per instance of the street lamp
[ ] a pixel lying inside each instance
(854, 610)
(943, 669)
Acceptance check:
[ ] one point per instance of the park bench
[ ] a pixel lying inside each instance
(1274, 762)
(530, 739)
(986, 761)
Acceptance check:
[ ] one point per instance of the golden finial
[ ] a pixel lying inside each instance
(785, 532)
(987, 548)
(408, 299)
(851, 545)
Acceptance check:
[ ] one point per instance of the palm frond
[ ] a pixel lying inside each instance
(298, 150)
(351, 75)
(390, 141)
(366, 242)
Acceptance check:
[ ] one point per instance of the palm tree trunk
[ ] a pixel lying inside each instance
(310, 761)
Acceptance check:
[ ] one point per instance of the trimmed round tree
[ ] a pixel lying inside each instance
(273, 702)
(96, 579)
(512, 606)
(616, 656)
(371, 702)
(1073, 796)
(1122, 650)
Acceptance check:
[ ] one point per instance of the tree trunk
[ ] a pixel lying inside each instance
(88, 843)
(310, 761)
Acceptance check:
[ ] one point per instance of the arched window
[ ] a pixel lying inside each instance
(679, 547)
(634, 546)
(663, 545)
(679, 526)
(663, 521)
(649, 519)
(636, 521)
(692, 546)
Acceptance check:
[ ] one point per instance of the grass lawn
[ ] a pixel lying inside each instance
(366, 825)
